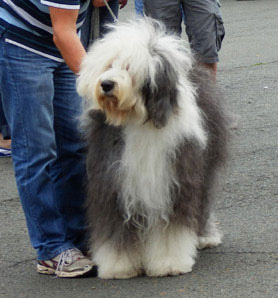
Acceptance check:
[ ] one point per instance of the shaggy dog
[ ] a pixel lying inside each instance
(157, 136)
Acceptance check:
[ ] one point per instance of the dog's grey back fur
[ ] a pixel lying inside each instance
(195, 168)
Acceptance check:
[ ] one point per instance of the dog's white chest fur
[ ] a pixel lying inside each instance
(147, 172)
(147, 163)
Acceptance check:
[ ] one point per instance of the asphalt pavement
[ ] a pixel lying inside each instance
(245, 265)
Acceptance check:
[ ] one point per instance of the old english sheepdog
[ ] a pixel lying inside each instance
(157, 137)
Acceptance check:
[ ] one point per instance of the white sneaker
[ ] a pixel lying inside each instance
(70, 263)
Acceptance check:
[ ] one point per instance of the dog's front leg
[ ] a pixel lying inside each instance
(169, 251)
(114, 263)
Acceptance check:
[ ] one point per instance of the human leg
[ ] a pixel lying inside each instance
(68, 169)
(28, 91)
(205, 30)
(167, 11)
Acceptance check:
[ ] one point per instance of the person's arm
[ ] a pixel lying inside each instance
(65, 36)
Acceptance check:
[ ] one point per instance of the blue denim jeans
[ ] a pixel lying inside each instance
(42, 109)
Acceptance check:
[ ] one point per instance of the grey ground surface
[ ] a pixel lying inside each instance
(245, 265)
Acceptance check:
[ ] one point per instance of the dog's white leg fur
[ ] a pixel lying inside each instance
(170, 251)
(116, 264)
(212, 236)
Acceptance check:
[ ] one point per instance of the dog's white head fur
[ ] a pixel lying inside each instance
(134, 61)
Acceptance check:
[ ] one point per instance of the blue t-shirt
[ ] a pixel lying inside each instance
(28, 24)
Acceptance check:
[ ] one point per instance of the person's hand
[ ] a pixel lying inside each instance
(98, 3)
(122, 3)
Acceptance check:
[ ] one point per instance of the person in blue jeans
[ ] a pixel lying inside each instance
(40, 55)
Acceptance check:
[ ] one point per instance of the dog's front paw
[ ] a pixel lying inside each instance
(170, 265)
(117, 273)
(116, 264)
(170, 252)
(169, 270)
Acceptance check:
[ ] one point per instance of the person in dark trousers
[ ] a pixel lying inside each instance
(204, 25)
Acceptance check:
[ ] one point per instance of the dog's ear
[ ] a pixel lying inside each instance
(161, 96)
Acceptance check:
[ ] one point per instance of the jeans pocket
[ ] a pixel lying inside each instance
(220, 30)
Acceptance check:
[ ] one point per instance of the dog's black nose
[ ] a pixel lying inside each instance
(107, 85)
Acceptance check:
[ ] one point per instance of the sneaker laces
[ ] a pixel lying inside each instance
(67, 257)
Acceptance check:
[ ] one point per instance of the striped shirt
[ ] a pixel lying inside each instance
(28, 25)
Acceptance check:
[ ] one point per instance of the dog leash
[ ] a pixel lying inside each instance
(111, 12)
(94, 30)
(95, 21)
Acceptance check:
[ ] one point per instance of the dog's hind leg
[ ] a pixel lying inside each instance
(169, 251)
(114, 263)
(212, 235)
